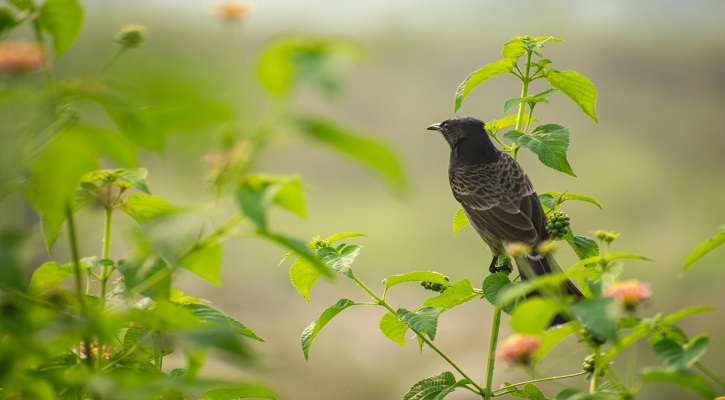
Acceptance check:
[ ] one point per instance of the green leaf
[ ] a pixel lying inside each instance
(143, 207)
(553, 199)
(599, 316)
(430, 388)
(478, 77)
(456, 294)
(514, 48)
(291, 59)
(303, 276)
(309, 334)
(534, 315)
(513, 292)
(250, 391)
(425, 320)
(678, 357)
(511, 103)
(298, 248)
(552, 337)
(256, 191)
(687, 380)
(703, 249)
(541, 97)
(608, 258)
(529, 391)
(550, 143)
(509, 120)
(7, 20)
(205, 261)
(584, 247)
(371, 152)
(684, 313)
(415, 276)
(459, 221)
(492, 285)
(63, 19)
(214, 318)
(577, 86)
(136, 177)
(49, 275)
(342, 235)
(340, 261)
(393, 328)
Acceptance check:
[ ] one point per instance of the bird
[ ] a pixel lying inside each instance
(498, 198)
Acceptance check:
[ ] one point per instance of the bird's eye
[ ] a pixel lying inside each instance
(444, 126)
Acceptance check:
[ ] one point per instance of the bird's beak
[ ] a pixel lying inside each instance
(434, 127)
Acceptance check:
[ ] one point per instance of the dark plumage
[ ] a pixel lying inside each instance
(497, 196)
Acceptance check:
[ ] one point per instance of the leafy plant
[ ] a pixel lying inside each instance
(606, 323)
(101, 324)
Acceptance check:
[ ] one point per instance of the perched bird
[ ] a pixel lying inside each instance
(497, 197)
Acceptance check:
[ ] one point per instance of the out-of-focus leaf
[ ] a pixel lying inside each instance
(534, 315)
(136, 177)
(552, 337)
(687, 380)
(553, 199)
(49, 275)
(459, 221)
(583, 246)
(256, 191)
(371, 152)
(250, 391)
(7, 20)
(143, 207)
(425, 320)
(293, 59)
(205, 261)
(57, 173)
(309, 334)
(599, 316)
(491, 287)
(529, 391)
(577, 86)
(12, 272)
(342, 235)
(481, 75)
(673, 355)
(393, 328)
(214, 318)
(704, 248)
(63, 19)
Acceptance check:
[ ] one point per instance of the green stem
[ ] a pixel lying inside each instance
(596, 375)
(420, 335)
(75, 253)
(110, 63)
(720, 381)
(524, 91)
(491, 362)
(106, 250)
(498, 392)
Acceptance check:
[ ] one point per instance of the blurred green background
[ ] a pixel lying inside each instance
(655, 162)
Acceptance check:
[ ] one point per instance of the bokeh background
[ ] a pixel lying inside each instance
(655, 162)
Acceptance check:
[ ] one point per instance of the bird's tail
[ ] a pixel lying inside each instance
(533, 265)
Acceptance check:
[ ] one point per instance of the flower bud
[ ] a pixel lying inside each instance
(606, 236)
(629, 293)
(131, 36)
(517, 249)
(518, 348)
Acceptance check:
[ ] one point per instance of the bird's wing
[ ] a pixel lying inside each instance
(500, 200)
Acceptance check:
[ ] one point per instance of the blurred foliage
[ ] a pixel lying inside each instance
(99, 326)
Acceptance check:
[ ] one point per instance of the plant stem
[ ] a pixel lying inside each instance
(720, 381)
(420, 335)
(111, 62)
(551, 378)
(524, 91)
(75, 253)
(491, 362)
(594, 383)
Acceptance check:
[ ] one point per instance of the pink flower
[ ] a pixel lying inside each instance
(518, 348)
(629, 293)
(18, 57)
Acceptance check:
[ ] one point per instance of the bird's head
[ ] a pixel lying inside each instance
(467, 137)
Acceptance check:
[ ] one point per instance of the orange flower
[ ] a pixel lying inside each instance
(233, 10)
(19, 57)
(518, 348)
(629, 293)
